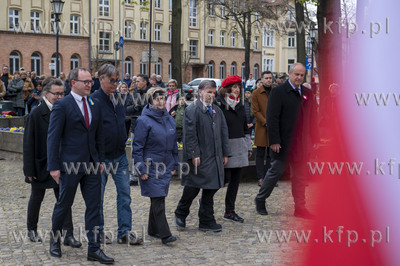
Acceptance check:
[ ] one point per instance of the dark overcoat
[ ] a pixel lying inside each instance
(204, 136)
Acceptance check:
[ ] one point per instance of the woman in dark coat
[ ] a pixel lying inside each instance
(177, 113)
(155, 151)
(229, 100)
(15, 89)
(35, 160)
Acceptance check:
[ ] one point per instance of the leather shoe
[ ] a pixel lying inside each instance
(131, 239)
(72, 242)
(180, 222)
(303, 213)
(168, 239)
(55, 248)
(33, 236)
(213, 227)
(99, 256)
(260, 207)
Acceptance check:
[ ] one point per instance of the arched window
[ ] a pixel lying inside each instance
(233, 68)
(211, 69)
(15, 61)
(222, 68)
(143, 68)
(36, 63)
(74, 61)
(158, 67)
(128, 66)
(53, 61)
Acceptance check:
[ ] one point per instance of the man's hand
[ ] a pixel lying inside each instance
(225, 160)
(275, 147)
(55, 175)
(144, 177)
(196, 161)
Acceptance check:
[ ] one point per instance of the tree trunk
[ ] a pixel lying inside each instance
(247, 44)
(300, 34)
(176, 50)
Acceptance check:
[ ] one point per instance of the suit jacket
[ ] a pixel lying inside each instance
(69, 141)
(35, 147)
(291, 122)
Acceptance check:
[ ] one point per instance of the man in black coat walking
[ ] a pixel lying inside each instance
(290, 112)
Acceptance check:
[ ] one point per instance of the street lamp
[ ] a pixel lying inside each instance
(57, 10)
(313, 34)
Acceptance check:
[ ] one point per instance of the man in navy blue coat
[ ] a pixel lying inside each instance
(75, 140)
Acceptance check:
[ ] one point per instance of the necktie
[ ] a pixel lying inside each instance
(85, 110)
(209, 109)
(298, 91)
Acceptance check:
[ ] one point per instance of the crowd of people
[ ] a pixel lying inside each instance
(84, 120)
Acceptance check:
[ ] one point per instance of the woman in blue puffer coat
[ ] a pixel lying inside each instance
(155, 154)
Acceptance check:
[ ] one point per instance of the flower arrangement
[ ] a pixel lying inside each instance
(13, 129)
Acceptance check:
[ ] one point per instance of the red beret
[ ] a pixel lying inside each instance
(232, 79)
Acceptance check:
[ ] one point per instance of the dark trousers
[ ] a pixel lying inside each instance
(157, 221)
(262, 167)
(35, 202)
(206, 210)
(91, 192)
(233, 187)
(274, 173)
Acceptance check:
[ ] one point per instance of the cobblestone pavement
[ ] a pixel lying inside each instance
(237, 244)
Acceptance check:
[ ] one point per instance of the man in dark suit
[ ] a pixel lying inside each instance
(291, 134)
(75, 138)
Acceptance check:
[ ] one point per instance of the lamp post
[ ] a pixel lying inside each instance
(313, 34)
(57, 10)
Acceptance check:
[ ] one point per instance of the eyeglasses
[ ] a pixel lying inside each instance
(113, 81)
(86, 82)
(58, 94)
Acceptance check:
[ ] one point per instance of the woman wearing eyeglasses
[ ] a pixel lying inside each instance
(154, 144)
(35, 160)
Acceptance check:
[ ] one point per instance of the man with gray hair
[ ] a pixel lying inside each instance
(115, 136)
(206, 151)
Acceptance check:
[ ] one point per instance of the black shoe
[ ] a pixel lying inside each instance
(104, 239)
(33, 236)
(99, 256)
(303, 213)
(131, 239)
(213, 227)
(168, 239)
(260, 207)
(233, 217)
(55, 248)
(180, 222)
(154, 235)
(72, 242)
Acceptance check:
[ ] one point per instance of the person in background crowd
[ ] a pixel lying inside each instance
(153, 76)
(133, 87)
(177, 113)
(27, 90)
(152, 83)
(15, 93)
(159, 82)
(63, 77)
(155, 139)
(96, 82)
(5, 76)
(34, 78)
(2, 90)
(280, 79)
(172, 94)
(35, 161)
(127, 79)
(250, 118)
(259, 103)
(258, 84)
(250, 83)
(206, 150)
(126, 98)
(34, 99)
(229, 100)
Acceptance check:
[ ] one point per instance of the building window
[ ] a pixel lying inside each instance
(74, 25)
(223, 10)
(36, 63)
(269, 64)
(143, 68)
(74, 61)
(157, 67)
(222, 70)
(128, 29)
(169, 70)
(210, 37)
(170, 33)
(170, 5)
(243, 70)
(128, 2)
(291, 12)
(290, 63)
(128, 66)
(104, 8)
(256, 16)
(15, 61)
(292, 39)
(35, 22)
(193, 48)
(255, 43)
(157, 35)
(222, 38)
(53, 61)
(255, 71)
(233, 68)
(309, 45)
(104, 41)
(233, 39)
(269, 38)
(210, 71)
(52, 23)
(143, 30)
(192, 13)
(13, 20)
(157, 4)
(211, 8)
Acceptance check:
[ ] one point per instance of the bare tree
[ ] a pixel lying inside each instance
(176, 47)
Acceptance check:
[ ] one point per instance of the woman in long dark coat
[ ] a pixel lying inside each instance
(35, 160)
(155, 151)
